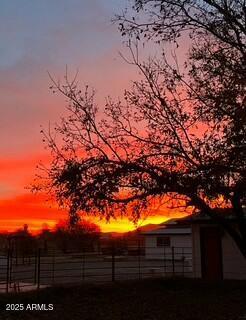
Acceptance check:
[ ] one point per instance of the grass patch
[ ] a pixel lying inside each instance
(136, 300)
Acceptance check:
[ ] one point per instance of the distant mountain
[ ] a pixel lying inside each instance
(108, 235)
(148, 227)
(144, 228)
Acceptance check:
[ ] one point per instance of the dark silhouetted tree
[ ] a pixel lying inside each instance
(23, 244)
(179, 132)
(84, 235)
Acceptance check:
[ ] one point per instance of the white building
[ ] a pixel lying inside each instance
(171, 240)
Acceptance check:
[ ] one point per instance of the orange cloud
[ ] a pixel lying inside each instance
(28, 206)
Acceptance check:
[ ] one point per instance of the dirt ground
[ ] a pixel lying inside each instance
(150, 299)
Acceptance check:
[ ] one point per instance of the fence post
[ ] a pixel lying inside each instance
(183, 260)
(35, 267)
(10, 266)
(16, 256)
(7, 275)
(164, 260)
(139, 260)
(53, 267)
(38, 269)
(173, 264)
(113, 261)
(83, 265)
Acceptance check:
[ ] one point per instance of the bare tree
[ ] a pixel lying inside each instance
(179, 132)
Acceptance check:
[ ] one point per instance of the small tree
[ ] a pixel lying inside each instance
(45, 236)
(82, 236)
(22, 243)
(180, 131)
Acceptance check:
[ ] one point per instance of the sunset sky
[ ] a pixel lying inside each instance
(41, 36)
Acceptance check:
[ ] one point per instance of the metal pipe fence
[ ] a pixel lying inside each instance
(48, 268)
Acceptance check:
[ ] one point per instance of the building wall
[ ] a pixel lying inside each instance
(234, 264)
(180, 243)
(196, 251)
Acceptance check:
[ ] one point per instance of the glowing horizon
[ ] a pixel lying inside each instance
(21, 207)
(32, 209)
(36, 225)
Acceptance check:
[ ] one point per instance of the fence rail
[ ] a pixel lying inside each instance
(44, 269)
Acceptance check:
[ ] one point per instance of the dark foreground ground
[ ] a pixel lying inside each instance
(133, 300)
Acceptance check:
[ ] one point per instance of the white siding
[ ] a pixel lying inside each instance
(179, 242)
(196, 252)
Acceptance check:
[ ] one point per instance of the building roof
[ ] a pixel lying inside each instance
(183, 225)
(148, 227)
(174, 230)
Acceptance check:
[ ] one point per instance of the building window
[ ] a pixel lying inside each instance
(163, 241)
